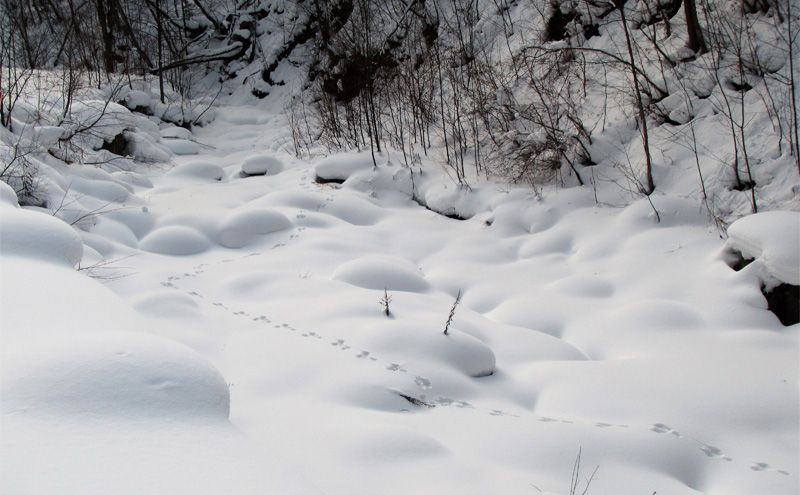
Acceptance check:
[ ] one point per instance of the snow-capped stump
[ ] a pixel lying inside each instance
(769, 244)
(175, 240)
(338, 168)
(381, 273)
(261, 165)
(199, 170)
(8, 197)
(123, 374)
(39, 236)
(243, 226)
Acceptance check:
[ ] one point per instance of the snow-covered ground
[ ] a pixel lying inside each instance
(234, 341)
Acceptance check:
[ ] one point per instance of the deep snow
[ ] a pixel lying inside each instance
(245, 350)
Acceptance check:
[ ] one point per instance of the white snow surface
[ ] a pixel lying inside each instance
(225, 334)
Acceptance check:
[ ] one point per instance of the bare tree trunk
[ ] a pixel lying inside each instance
(696, 42)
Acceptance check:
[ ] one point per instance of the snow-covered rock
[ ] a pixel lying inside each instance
(123, 374)
(772, 238)
(8, 197)
(382, 273)
(39, 236)
(198, 170)
(262, 165)
(242, 226)
(175, 240)
(341, 166)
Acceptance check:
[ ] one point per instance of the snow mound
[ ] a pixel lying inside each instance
(383, 272)
(355, 211)
(175, 240)
(120, 373)
(8, 196)
(262, 165)
(100, 189)
(133, 178)
(241, 227)
(181, 146)
(34, 235)
(391, 444)
(138, 101)
(341, 166)
(144, 148)
(450, 200)
(175, 133)
(199, 170)
(771, 238)
(424, 343)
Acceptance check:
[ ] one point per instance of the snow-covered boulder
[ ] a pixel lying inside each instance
(175, 132)
(338, 168)
(426, 345)
(105, 374)
(772, 240)
(138, 101)
(242, 226)
(175, 240)
(382, 273)
(8, 197)
(198, 170)
(39, 236)
(181, 146)
(262, 165)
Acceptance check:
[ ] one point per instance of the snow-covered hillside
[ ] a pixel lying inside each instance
(225, 309)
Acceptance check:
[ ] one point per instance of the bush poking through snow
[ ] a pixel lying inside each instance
(385, 300)
(452, 313)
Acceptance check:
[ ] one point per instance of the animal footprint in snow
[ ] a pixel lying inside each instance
(763, 466)
(340, 344)
(712, 451)
(193, 293)
(498, 412)
(365, 355)
(262, 318)
(279, 245)
(662, 428)
(446, 401)
(220, 305)
(395, 367)
(423, 383)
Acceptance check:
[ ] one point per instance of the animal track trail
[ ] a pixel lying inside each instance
(425, 384)
(714, 452)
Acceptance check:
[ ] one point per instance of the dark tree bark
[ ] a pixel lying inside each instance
(696, 42)
(107, 17)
